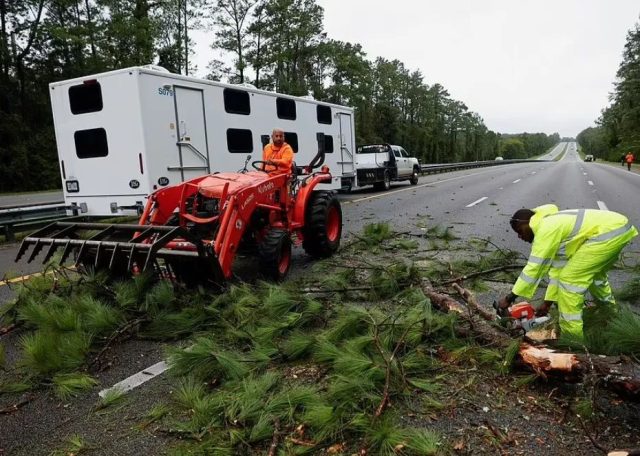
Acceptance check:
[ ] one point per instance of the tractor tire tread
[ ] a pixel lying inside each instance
(316, 241)
(269, 253)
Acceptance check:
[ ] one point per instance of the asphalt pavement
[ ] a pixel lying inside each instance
(475, 203)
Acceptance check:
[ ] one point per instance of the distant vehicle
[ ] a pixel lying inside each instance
(499, 158)
(379, 164)
(588, 158)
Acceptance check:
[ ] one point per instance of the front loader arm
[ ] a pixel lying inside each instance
(237, 213)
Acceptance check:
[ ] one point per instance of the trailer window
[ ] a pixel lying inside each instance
(237, 102)
(324, 114)
(239, 141)
(286, 108)
(91, 143)
(291, 139)
(325, 143)
(328, 144)
(85, 97)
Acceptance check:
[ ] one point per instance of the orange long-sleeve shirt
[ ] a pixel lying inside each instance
(282, 156)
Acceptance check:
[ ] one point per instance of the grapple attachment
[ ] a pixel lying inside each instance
(169, 251)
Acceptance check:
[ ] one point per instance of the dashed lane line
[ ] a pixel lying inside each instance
(413, 187)
(136, 380)
(477, 201)
(516, 181)
(602, 206)
(590, 182)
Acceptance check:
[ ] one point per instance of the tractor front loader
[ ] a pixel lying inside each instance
(191, 232)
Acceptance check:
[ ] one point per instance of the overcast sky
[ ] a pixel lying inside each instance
(523, 65)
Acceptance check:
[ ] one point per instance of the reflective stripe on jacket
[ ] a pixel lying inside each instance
(557, 236)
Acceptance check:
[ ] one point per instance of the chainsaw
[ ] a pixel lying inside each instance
(519, 316)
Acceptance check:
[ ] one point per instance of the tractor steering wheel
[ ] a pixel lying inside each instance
(259, 165)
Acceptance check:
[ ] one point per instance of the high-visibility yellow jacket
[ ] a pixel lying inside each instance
(559, 234)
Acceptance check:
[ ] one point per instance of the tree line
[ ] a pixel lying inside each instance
(275, 45)
(617, 130)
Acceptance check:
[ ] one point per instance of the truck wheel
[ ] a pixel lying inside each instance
(385, 184)
(275, 254)
(323, 225)
(414, 177)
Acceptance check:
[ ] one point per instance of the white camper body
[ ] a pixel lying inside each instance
(123, 134)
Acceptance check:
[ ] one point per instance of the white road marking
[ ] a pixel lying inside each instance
(137, 379)
(532, 172)
(478, 201)
(602, 206)
(516, 181)
(413, 187)
(584, 174)
(590, 182)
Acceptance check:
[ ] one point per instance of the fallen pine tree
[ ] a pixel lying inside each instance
(617, 373)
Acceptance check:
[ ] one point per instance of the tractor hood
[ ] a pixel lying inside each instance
(213, 186)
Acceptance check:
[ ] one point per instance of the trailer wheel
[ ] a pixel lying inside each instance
(323, 225)
(385, 184)
(275, 254)
(414, 177)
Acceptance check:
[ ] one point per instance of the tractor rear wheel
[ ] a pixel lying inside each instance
(323, 225)
(275, 254)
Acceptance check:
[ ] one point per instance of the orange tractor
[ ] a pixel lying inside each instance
(191, 232)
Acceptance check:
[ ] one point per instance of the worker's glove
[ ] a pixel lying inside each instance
(543, 309)
(504, 303)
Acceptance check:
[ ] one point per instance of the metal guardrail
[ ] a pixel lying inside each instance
(445, 167)
(25, 217)
(17, 218)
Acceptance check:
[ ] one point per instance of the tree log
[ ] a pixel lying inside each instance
(617, 373)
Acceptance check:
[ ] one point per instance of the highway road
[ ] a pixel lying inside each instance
(476, 202)
(473, 203)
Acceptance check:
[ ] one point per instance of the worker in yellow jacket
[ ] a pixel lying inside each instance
(576, 248)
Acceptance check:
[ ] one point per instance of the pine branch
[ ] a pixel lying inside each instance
(479, 273)
(15, 407)
(116, 334)
(473, 303)
(275, 440)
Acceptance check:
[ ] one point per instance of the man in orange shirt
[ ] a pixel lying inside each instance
(629, 158)
(278, 152)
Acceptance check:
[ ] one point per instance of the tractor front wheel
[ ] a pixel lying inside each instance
(323, 225)
(275, 254)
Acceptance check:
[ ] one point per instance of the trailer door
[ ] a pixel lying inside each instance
(347, 148)
(191, 126)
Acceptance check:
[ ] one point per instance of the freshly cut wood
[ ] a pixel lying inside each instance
(618, 373)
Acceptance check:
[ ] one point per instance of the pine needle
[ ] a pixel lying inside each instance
(297, 345)
(206, 360)
(68, 385)
(622, 333)
(111, 397)
(75, 444)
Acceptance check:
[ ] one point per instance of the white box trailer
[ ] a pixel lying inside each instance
(123, 134)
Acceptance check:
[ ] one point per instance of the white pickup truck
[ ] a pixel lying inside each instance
(379, 164)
